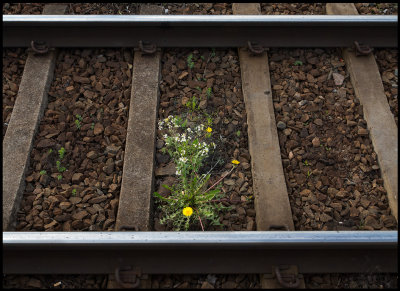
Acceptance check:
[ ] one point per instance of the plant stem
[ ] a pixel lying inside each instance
(201, 224)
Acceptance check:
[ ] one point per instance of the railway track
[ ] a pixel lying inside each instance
(113, 159)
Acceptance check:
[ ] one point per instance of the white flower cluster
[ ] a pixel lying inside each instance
(169, 122)
(199, 128)
(186, 144)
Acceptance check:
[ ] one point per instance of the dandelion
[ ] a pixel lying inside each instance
(209, 129)
(187, 211)
(235, 162)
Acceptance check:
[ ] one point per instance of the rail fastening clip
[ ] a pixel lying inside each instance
(255, 48)
(147, 48)
(39, 47)
(127, 277)
(362, 49)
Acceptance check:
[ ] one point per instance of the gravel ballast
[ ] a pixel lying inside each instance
(388, 67)
(331, 169)
(13, 67)
(86, 115)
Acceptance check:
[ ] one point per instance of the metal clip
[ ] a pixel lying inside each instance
(293, 281)
(255, 48)
(361, 49)
(39, 47)
(147, 48)
(128, 278)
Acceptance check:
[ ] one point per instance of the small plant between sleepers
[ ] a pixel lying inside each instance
(190, 201)
(78, 121)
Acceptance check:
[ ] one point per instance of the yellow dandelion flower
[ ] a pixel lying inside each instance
(209, 129)
(187, 211)
(236, 162)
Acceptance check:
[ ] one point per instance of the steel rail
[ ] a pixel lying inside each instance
(199, 30)
(199, 252)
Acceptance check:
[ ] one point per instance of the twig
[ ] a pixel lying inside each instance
(219, 180)
(209, 171)
(205, 68)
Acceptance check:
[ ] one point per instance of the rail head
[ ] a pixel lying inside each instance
(202, 20)
(198, 252)
(199, 30)
(191, 238)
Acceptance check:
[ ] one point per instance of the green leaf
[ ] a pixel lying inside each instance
(161, 197)
(167, 187)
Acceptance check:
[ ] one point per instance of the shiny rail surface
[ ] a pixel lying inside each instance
(199, 252)
(199, 30)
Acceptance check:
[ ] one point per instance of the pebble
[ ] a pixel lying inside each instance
(34, 283)
(203, 104)
(206, 285)
(338, 79)
(362, 131)
(112, 149)
(168, 170)
(98, 129)
(98, 199)
(341, 194)
(51, 224)
(315, 142)
(183, 75)
(305, 192)
(303, 102)
(65, 205)
(281, 125)
(287, 131)
(75, 200)
(160, 144)
(76, 177)
(80, 215)
(91, 155)
(229, 182)
(318, 122)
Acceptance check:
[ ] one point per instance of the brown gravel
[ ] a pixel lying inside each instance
(351, 281)
(103, 8)
(96, 86)
(198, 8)
(376, 8)
(54, 281)
(13, 67)
(388, 67)
(23, 8)
(330, 166)
(210, 281)
(292, 8)
(220, 72)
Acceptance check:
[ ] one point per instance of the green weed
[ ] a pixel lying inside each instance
(190, 62)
